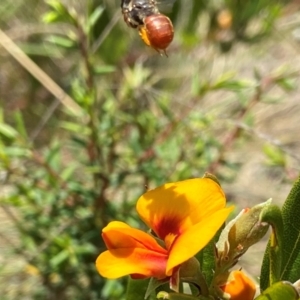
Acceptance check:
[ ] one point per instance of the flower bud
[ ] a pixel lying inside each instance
(297, 286)
(236, 286)
(241, 233)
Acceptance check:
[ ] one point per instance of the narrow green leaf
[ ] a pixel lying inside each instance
(136, 289)
(264, 281)
(226, 81)
(104, 69)
(153, 285)
(272, 262)
(96, 14)
(291, 236)
(74, 127)
(190, 273)
(275, 155)
(41, 49)
(20, 125)
(279, 291)
(59, 258)
(61, 41)
(207, 261)
(56, 5)
(178, 296)
(8, 131)
(287, 84)
(16, 152)
(207, 258)
(50, 17)
(59, 12)
(68, 172)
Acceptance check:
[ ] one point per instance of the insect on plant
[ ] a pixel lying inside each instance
(155, 29)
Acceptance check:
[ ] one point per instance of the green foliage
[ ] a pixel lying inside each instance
(136, 289)
(178, 296)
(278, 291)
(275, 155)
(272, 264)
(281, 260)
(291, 222)
(206, 259)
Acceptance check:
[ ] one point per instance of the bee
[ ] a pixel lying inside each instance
(155, 29)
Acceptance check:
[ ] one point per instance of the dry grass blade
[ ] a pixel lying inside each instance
(39, 74)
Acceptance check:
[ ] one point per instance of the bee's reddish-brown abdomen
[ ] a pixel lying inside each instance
(159, 30)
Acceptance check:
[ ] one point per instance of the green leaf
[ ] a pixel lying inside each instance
(104, 69)
(207, 261)
(20, 125)
(7, 131)
(285, 256)
(41, 50)
(271, 267)
(291, 237)
(136, 289)
(275, 155)
(287, 84)
(264, 281)
(179, 296)
(279, 291)
(226, 81)
(68, 172)
(153, 285)
(75, 128)
(61, 41)
(206, 258)
(56, 5)
(190, 273)
(16, 152)
(50, 17)
(96, 14)
(112, 289)
(282, 260)
(59, 258)
(59, 12)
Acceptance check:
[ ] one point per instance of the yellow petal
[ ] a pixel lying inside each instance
(195, 238)
(174, 207)
(125, 261)
(115, 224)
(120, 235)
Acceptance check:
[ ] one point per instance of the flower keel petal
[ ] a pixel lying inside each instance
(120, 262)
(120, 235)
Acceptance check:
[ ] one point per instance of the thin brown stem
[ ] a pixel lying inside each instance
(264, 85)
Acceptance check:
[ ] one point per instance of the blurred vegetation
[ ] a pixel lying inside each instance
(132, 120)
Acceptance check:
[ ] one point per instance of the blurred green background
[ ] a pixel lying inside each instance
(90, 117)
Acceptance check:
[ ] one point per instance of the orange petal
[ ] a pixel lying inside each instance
(125, 261)
(196, 238)
(174, 207)
(130, 251)
(239, 286)
(120, 235)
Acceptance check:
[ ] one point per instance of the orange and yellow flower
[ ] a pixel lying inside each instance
(185, 215)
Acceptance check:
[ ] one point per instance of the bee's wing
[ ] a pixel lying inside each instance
(125, 2)
(165, 6)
